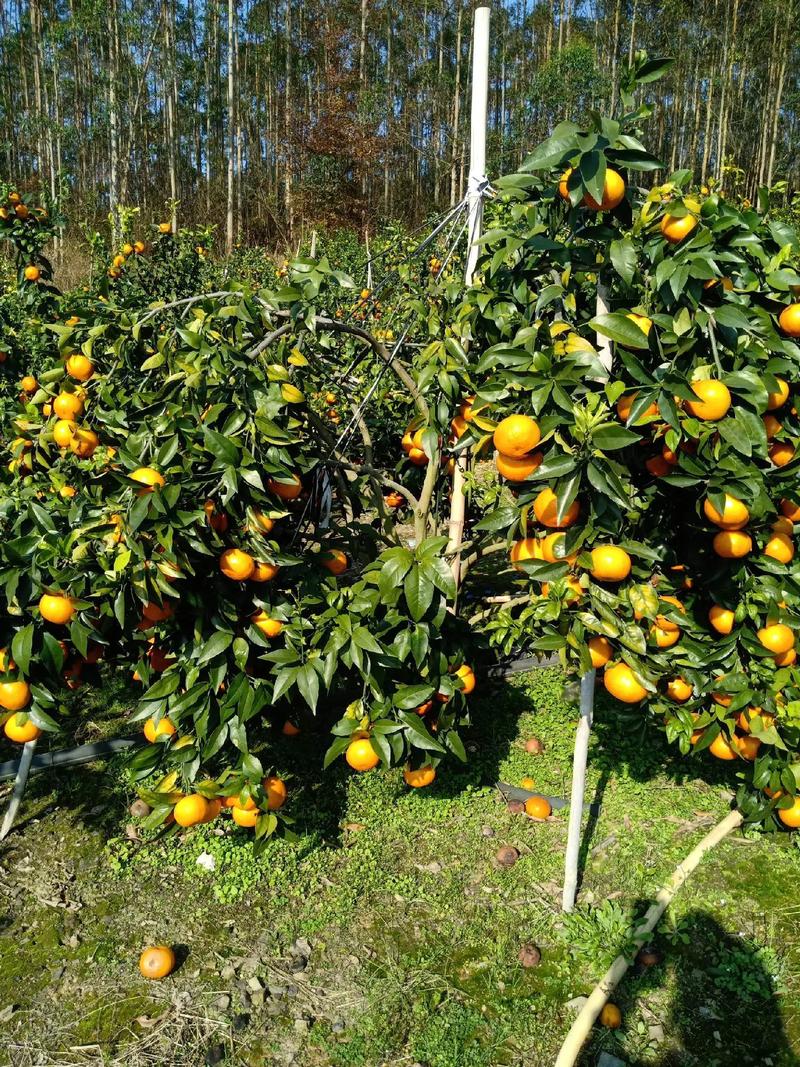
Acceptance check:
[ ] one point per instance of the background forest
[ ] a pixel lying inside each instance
(264, 116)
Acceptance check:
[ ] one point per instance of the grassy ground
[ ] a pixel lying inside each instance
(387, 934)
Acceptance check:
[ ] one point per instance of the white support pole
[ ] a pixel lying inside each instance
(583, 732)
(477, 174)
(584, 728)
(477, 132)
(19, 789)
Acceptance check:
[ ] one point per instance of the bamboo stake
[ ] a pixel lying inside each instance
(19, 788)
(584, 728)
(579, 1030)
(477, 168)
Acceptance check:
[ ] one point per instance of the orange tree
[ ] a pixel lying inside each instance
(635, 367)
(175, 506)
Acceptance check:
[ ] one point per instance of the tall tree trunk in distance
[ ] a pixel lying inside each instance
(113, 118)
(456, 111)
(287, 122)
(229, 233)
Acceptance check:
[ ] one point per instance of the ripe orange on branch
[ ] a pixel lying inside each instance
(610, 563)
(22, 731)
(778, 638)
(734, 515)
(516, 435)
(56, 608)
(361, 755)
(613, 192)
(545, 508)
(420, 777)
(732, 544)
(620, 681)
(517, 468)
(789, 320)
(68, 406)
(600, 650)
(674, 228)
(714, 400)
(148, 477)
(236, 564)
(14, 696)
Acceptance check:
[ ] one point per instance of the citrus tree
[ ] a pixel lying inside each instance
(636, 360)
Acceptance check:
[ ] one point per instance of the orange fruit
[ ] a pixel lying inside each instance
(662, 621)
(732, 544)
(22, 729)
(665, 638)
(164, 227)
(679, 690)
(334, 561)
(420, 777)
(268, 627)
(218, 521)
(68, 406)
(32, 273)
(786, 659)
(459, 426)
(783, 525)
(780, 547)
(418, 457)
(78, 366)
(527, 783)
(723, 749)
(516, 435)
(247, 817)
(751, 715)
(778, 638)
(625, 403)
(675, 228)
(157, 962)
(781, 453)
(214, 808)
(525, 548)
(56, 608)
(563, 191)
(153, 612)
(289, 729)
(29, 384)
(275, 788)
(777, 400)
(83, 443)
(722, 619)
(361, 756)
(552, 548)
(394, 499)
(263, 521)
(236, 564)
(264, 572)
(286, 489)
(600, 650)
(621, 683)
(734, 513)
(789, 320)
(163, 727)
(611, 1017)
(574, 589)
(148, 477)
(747, 746)
(538, 807)
(6, 663)
(545, 508)
(190, 810)
(517, 468)
(714, 400)
(772, 426)
(610, 563)
(63, 431)
(658, 466)
(14, 696)
(467, 676)
(791, 816)
(613, 192)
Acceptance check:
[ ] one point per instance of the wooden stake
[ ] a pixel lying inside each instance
(19, 789)
(579, 1030)
(477, 169)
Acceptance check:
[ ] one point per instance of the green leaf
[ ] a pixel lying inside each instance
(554, 150)
(21, 647)
(621, 329)
(216, 644)
(609, 436)
(418, 592)
(308, 684)
(412, 696)
(623, 258)
(223, 448)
